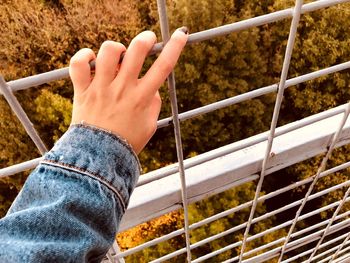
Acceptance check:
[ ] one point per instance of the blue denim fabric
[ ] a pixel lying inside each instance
(70, 206)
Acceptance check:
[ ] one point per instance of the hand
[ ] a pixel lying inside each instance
(115, 98)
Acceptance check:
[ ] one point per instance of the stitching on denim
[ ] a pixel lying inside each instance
(113, 135)
(88, 173)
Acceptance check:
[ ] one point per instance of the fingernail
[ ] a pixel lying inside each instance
(122, 55)
(184, 29)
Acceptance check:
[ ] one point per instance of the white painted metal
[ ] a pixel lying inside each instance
(216, 175)
(297, 243)
(215, 171)
(233, 210)
(275, 116)
(232, 246)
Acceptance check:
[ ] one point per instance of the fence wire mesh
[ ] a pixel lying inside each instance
(330, 250)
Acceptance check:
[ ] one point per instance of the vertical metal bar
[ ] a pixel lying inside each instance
(279, 98)
(329, 225)
(164, 26)
(319, 171)
(21, 115)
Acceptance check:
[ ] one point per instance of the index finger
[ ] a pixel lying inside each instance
(165, 63)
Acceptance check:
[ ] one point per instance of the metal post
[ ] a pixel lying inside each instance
(174, 108)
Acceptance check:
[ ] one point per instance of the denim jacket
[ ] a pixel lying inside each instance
(71, 205)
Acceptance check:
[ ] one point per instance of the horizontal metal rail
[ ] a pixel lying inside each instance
(219, 174)
(341, 259)
(276, 242)
(258, 219)
(171, 169)
(248, 153)
(160, 173)
(275, 252)
(335, 255)
(253, 94)
(59, 74)
(230, 211)
(344, 258)
(21, 167)
(200, 159)
(297, 243)
(341, 204)
(255, 220)
(329, 250)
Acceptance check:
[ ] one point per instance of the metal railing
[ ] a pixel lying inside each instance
(244, 161)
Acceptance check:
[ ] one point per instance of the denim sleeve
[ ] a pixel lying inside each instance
(71, 205)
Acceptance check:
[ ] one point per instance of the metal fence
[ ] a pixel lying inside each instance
(251, 159)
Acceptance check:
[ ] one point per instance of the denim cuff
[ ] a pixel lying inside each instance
(99, 154)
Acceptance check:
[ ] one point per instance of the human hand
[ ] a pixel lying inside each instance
(115, 98)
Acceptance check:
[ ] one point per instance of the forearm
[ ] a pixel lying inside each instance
(71, 205)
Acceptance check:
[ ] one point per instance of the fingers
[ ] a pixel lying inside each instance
(135, 56)
(107, 62)
(165, 63)
(79, 69)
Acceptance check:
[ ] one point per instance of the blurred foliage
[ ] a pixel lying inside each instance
(42, 35)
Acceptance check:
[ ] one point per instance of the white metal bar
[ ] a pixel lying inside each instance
(261, 20)
(321, 254)
(241, 226)
(272, 253)
(320, 169)
(228, 149)
(276, 111)
(160, 173)
(164, 26)
(253, 251)
(21, 115)
(334, 240)
(58, 74)
(343, 258)
(17, 168)
(329, 224)
(329, 250)
(230, 211)
(252, 94)
(296, 243)
(273, 243)
(255, 220)
(171, 169)
(335, 255)
(208, 34)
(219, 174)
(346, 257)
